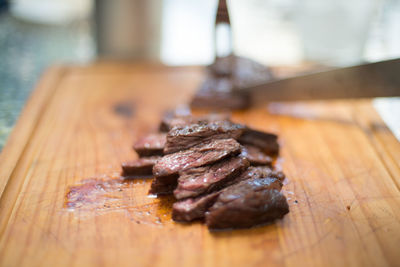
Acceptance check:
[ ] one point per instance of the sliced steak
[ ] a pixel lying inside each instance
(223, 77)
(257, 172)
(181, 138)
(202, 154)
(251, 172)
(167, 123)
(195, 208)
(197, 181)
(267, 142)
(248, 203)
(255, 156)
(169, 116)
(140, 167)
(164, 185)
(150, 145)
(171, 120)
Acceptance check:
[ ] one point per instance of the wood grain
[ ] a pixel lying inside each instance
(342, 163)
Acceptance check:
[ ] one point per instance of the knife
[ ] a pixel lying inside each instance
(379, 79)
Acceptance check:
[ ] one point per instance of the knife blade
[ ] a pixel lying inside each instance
(379, 79)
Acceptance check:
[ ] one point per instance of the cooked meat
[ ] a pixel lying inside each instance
(193, 208)
(170, 116)
(181, 138)
(248, 203)
(174, 119)
(267, 142)
(168, 123)
(255, 156)
(140, 167)
(278, 175)
(197, 181)
(150, 145)
(217, 93)
(224, 76)
(200, 155)
(164, 185)
(244, 72)
(251, 172)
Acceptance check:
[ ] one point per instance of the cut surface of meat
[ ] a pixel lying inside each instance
(248, 209)
(197, 181)
(267, 142)
(252, 173)
(150, 145)
(140, 167)
(164, 185)
(193, 208)
(170, 115)
(255, 156)
(202, 154)
(181, 138)
(170, 121)
(248, 203)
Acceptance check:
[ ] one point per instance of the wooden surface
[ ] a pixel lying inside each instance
(342, 163)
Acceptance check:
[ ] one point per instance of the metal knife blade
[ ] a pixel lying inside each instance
(379, 79)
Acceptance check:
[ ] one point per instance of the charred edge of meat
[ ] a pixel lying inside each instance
(142, 167)
(171, 120)
(184, 137)
(197, 181)
(191, 209)
(267, 142)
(195, 208)
(250, 208)
(164, 185)
(150, 145)
(200, 155)
(278, 175)
(255, 156)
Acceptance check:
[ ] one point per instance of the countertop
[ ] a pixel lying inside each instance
(26, 50)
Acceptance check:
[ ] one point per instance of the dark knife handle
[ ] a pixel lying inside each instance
(222, 13)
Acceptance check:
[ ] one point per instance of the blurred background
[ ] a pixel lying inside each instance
(37, 33)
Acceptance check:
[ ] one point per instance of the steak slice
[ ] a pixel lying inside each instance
(170, 115)
(164, 185)
(255, 156)
(197, 156)
(196, 181)
(195, 208)
(267, 142)
(140, 167)
(171, 120)
(181, 138)
(151, 145)
(248, 203)
(251, 172)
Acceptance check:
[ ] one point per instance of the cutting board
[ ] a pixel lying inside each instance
(342, 165)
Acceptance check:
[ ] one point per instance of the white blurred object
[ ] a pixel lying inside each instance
(263, 31)
(223, 44)
(384, 38)
(260, 29)
(335, 32)
(187, 32)
(389, 109)
(51, 11)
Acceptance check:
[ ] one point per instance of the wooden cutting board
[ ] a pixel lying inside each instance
(342, 163)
